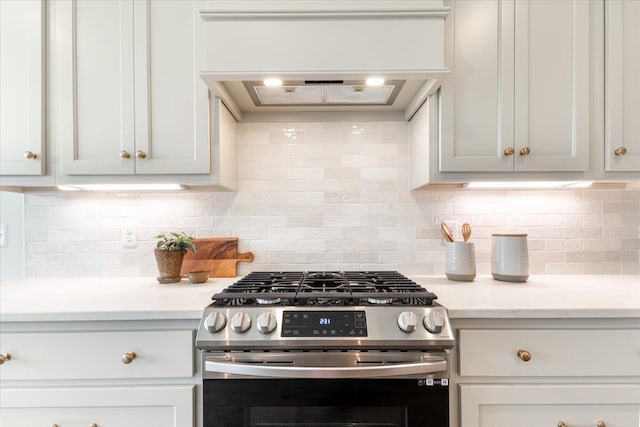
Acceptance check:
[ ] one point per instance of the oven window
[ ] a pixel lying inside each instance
(324, 416)
(328, 403)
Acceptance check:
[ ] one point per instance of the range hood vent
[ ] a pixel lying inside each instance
(324, 82)
(323, 52)
(323, 93)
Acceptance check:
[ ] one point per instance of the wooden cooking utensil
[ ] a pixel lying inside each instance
(446, 232)
(466, 231)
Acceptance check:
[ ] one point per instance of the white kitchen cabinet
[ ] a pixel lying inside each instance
(129, 97)
(22, 85)
(519, 97)
(107, 373)
(538, 372)
(170, 406)
(161, 354)
(550, 405)
(622, 87)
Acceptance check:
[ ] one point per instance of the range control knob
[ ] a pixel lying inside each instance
(267, 322)
(434, 322)
(407, 321)
(240, 322)
(215, 322)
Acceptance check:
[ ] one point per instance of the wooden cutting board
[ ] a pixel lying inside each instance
(217, 255)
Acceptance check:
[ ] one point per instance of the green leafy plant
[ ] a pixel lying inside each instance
(175, 242)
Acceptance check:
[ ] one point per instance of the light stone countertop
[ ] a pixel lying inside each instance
(542, 296)
(143, 298)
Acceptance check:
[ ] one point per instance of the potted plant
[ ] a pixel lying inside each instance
(169, 253)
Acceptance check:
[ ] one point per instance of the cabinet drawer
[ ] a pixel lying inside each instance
(83, 355)
(566, 352)
(549, 405)
(170, 406)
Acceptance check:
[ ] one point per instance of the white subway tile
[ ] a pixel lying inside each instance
(334, 197)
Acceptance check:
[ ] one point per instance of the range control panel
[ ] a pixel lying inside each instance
(324, 323)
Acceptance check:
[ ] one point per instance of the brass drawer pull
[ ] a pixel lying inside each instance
(620, 151)
(141, 154)
(524, 355)
(4, 357)
(525, 151)
(562, 424)
(30, 155)
(601, 424)
(124, 155)
(509, 151)
(128, 357)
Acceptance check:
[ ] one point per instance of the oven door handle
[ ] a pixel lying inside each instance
(271, 371)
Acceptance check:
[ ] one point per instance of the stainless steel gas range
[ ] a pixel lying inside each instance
(348, 348)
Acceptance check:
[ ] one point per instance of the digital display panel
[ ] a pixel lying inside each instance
(324, 324)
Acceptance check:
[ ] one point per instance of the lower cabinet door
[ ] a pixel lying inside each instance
(550, 405)
(170, 406)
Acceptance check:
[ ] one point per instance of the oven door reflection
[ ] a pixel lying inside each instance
(379, 402)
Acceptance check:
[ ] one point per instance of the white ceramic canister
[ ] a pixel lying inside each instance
(460, 261)
(509, 257)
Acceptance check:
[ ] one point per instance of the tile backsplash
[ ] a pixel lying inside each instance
(331, 196)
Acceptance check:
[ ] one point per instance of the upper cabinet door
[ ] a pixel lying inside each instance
(622, 88)
(22, 129)
(171, 100)
(552, 81)
(131, 98)
(519, 97)
(477, 99)
(96, 117)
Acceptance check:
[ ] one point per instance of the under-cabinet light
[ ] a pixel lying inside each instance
(121, 187)
(528, 185)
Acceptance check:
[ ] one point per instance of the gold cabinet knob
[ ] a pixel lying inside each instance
(4, 357)
(128, 357)
(141, 154)
(509, 151)
(601, 424)
(30, 155)
(620, 151)
(54, 425)
(124, 154)
(524, 355)
(562, 424)
(93, 425)
(525, 151)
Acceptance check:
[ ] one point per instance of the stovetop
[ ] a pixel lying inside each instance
(324, 310)
(324, 288)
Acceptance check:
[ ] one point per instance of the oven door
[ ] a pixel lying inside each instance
(312, 389)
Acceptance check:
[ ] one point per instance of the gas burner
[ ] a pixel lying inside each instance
(379, 300)
(268, 301)
(324, 275)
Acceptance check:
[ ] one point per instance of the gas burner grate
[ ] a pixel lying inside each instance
(327, 288)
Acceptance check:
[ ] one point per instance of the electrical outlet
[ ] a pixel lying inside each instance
(454, 226)
(3, 235)
(129, 237)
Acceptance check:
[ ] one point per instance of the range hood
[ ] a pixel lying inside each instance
(322, 54)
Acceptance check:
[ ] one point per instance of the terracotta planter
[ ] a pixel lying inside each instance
(169, 264)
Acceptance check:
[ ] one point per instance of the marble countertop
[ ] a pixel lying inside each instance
(143, 298)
